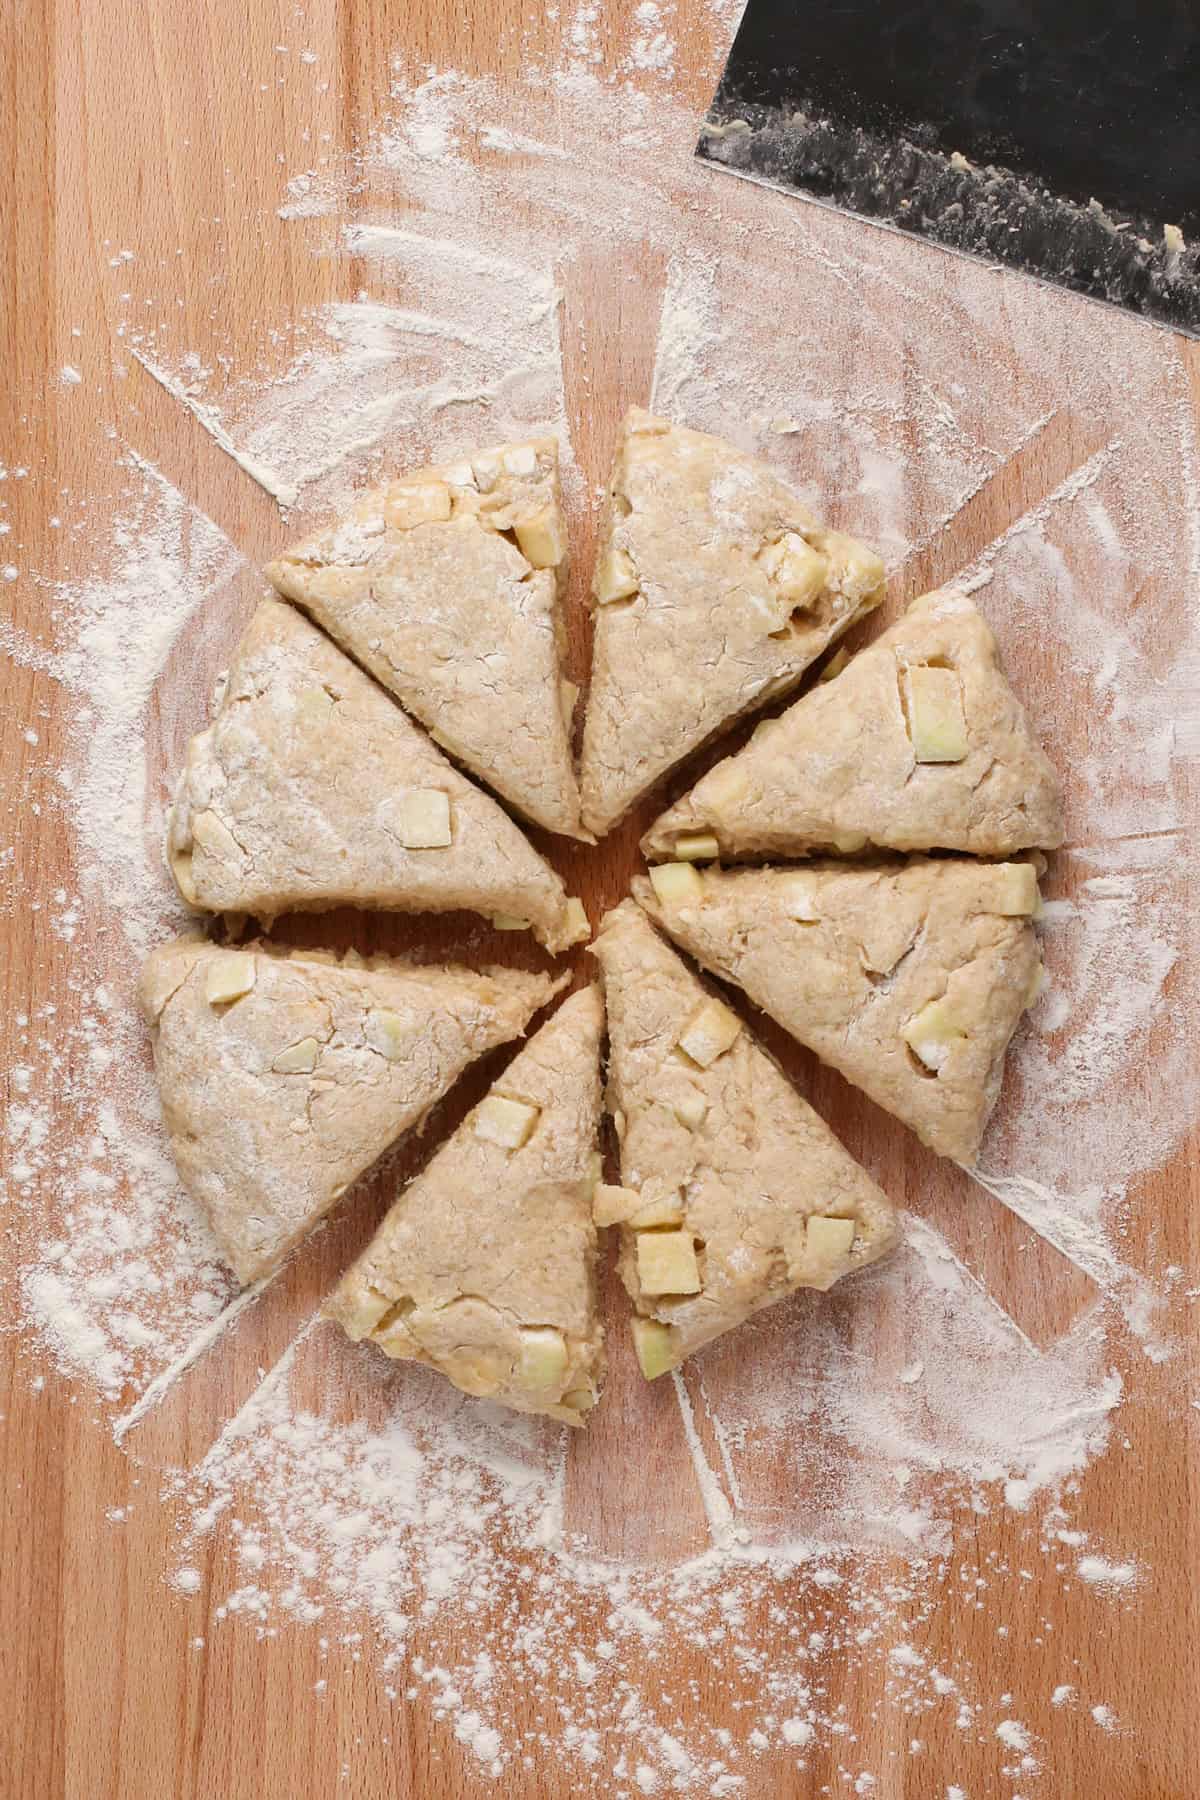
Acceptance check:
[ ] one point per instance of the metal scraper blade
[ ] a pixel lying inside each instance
(1059, 137)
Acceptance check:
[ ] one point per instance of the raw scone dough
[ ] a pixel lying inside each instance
(910, 979)
(313, 789)
(714, 589)
(284, 1074)
(732, 1187)
(446, 584)
(919, 744)
(485, 1266)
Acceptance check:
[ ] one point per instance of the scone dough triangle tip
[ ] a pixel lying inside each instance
(485, 1266)
(283, 1075)
(447, 585)
(312, 789)
(714, 590)
(908, 978)
(734, 1193)
(918, 744)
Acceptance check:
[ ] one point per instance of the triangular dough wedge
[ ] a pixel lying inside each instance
(313, 789)
(485, 1265)
(446, 585)
(735, 1192)
(908, 978)
(919, 744)
(715, 589)
(284, 1074)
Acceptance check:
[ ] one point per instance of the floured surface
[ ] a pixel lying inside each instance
(474, 276)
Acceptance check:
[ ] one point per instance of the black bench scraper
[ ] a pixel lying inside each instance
(1061, 137)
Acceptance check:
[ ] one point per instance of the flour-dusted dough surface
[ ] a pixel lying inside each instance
(446, 585)
(875, 759)
(313, 789)
(485, 1265)
(729, 1153)
(284, 1074)
(715, 589)
(910, 979)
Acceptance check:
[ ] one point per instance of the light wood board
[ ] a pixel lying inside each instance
(157, 126)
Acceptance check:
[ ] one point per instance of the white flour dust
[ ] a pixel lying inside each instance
(356, 1494)
(117, 1267)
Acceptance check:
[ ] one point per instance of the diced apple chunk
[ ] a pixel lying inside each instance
(655, 1347)
(181, 868)
(932, 1033)
(697, 846)
(387, 1033)
(934, 705)
(299, 1058)
(725, 785)
(795, 569)
(616, 577)
(667, 1262)
(543, 1358)
(368, 1309)
(653, 1210)
(675, 883)
(509, 922)
(830, 1237)
(460, 475)
(420, 818)
(853, 569)
(416, 503)
(578, 925)
(481, 1373)
(712, 1031)
(827, 1247)
(508, 1123)
(692, 1110)
(229, 977)
(612, 1205)
(800, 899)
(519, 459)
(487, 472)
(568, 694)
(540, 539)
(1015, 890)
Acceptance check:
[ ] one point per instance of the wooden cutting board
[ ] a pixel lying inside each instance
(164, 129)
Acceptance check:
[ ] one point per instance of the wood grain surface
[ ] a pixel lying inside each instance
(161, 125)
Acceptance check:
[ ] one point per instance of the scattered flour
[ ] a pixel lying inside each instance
(1013, 1734)
(1099, 1573)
